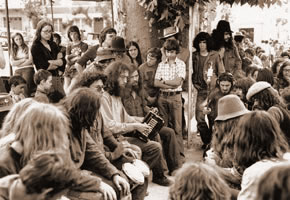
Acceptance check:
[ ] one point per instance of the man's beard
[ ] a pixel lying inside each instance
(135, 87)
(228, 44)
(119, 91)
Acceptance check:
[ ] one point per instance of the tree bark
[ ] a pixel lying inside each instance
(130, 23)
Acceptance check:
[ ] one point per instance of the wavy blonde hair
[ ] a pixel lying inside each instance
(14, 114)
(42, 127)
(199, 181)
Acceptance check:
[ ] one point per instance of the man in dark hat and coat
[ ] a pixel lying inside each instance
(225, 45)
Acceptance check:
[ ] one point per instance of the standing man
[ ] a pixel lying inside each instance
(224, 44)
(207, 66)
(169, 77)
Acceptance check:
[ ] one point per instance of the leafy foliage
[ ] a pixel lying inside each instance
(33, 10)
(164, 13)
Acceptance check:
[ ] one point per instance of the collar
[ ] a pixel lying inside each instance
(175, 61)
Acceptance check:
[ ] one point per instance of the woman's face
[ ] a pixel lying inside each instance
(133, 51)
(286, 73)
(46, 32)
(18, 40)
(74, 36)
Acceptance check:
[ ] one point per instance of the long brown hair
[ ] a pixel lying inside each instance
(257, 137)
(15, 47)
(42, 127)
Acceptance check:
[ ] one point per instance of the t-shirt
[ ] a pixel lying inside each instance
(74, 50)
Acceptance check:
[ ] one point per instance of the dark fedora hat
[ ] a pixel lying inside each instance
(224, 26)
(118, 44)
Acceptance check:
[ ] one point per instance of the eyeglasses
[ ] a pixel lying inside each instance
(286, 70)
(47, 31)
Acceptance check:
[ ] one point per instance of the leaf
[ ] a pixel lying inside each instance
(151, 6)
(164, 14)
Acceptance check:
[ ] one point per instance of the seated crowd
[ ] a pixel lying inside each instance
(76, 126)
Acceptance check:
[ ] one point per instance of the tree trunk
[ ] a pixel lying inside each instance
(130, 24)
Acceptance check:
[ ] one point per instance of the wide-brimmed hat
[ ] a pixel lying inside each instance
(224, 26)
(118, 44)
(104, 54)
(230, 106)
(256, 88)
(169, 31)
(5, 102)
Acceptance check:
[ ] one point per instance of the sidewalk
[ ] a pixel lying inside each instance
(193, 153)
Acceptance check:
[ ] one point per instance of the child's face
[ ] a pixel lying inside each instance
(19, 89)
(170, 54)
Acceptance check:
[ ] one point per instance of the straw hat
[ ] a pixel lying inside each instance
(5, 102)
(256, 88)
(230, 106)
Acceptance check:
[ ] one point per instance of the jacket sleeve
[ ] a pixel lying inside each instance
(96, 161)
(90, 54)
(39, 58)
(85, 182)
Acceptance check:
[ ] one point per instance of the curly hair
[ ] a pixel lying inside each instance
(199, 181)
(202, 36)
(113, 72)
(82, 106)
(258, 137)
(268, 98)
(88, 77)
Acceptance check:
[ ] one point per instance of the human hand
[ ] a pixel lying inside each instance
(122, 184)
(118, 152)
(206, 110)
(143, 127)
(52, 66)
(107, 191)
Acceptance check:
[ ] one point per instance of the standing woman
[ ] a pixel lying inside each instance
(21, 61)
(75, 49)
(133, 51)
(46, 54)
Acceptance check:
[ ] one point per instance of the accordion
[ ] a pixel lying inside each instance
(155, 122)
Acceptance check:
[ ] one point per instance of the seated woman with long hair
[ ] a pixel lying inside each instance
(258, 146)
(41, 127)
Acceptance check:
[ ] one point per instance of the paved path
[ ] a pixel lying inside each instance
(192, 153)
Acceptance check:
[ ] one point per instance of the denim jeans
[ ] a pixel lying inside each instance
(170, 108)
(27, 74)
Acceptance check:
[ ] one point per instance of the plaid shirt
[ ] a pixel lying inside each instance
(166, 72)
